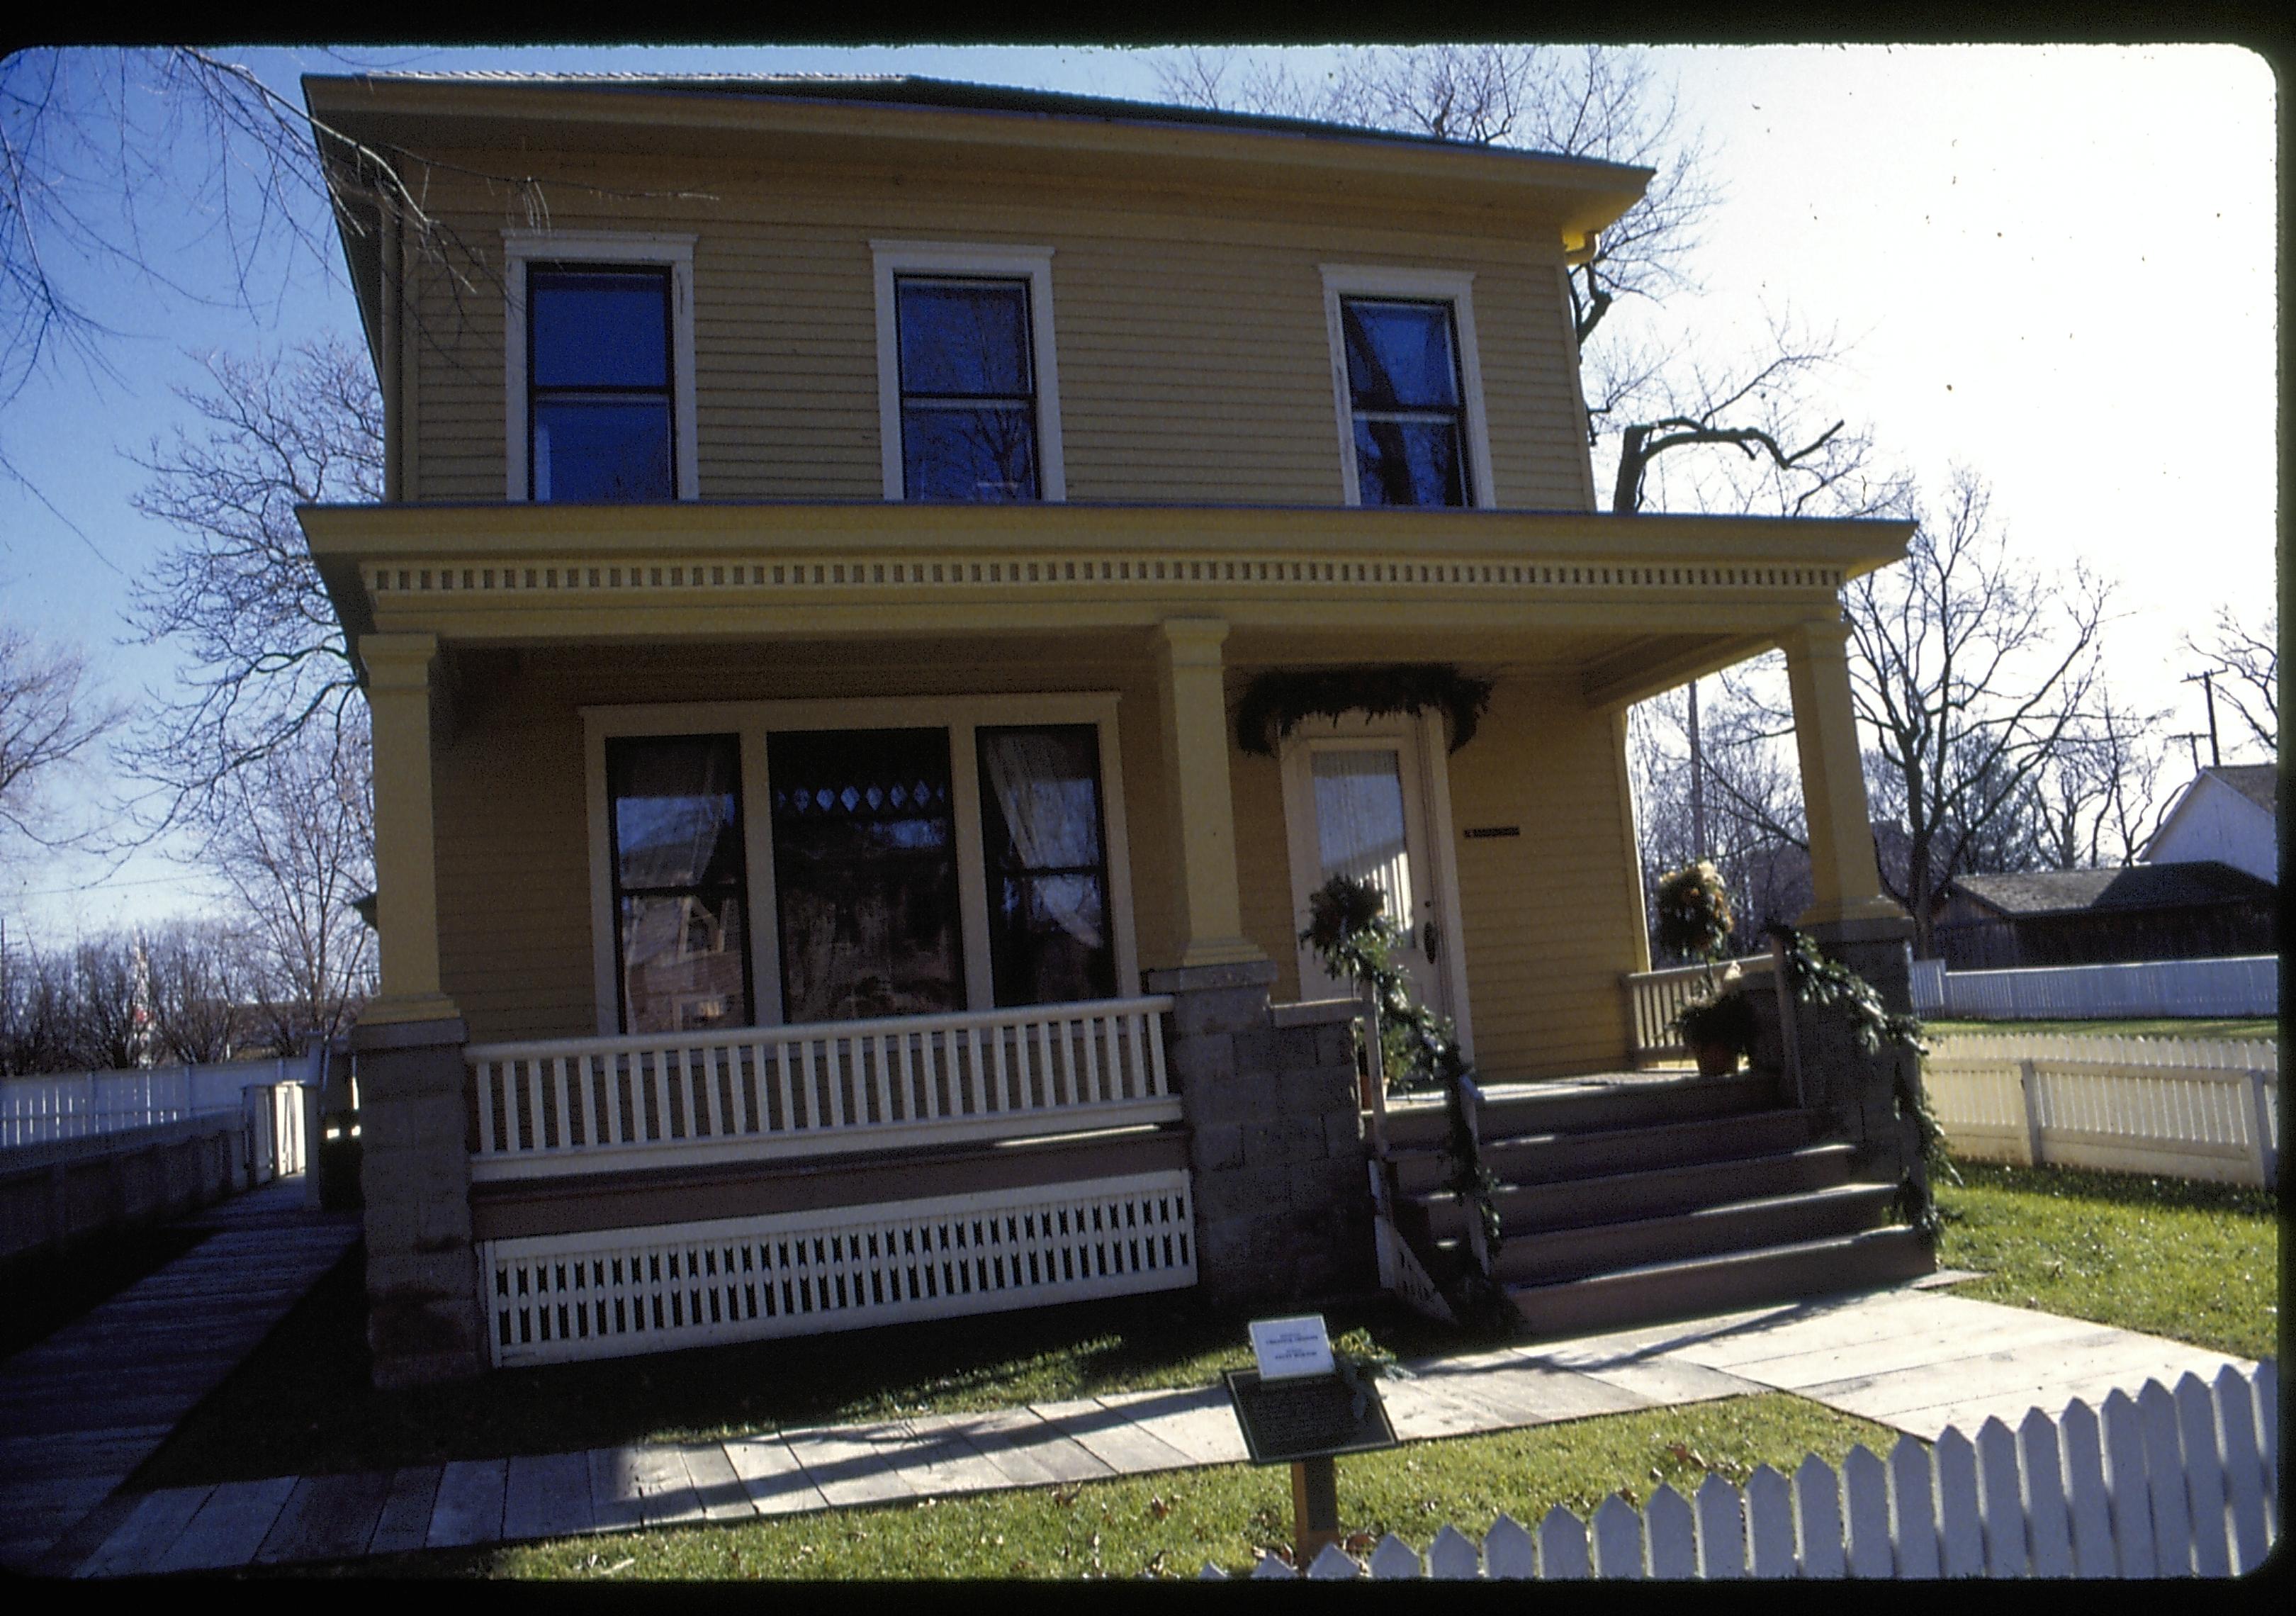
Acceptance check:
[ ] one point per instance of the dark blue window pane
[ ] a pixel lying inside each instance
(964, 338)
(599, 330)
(602, 449)
(1408, 463)
(1399, 355)
(982, 453)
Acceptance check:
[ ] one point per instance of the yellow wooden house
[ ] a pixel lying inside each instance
(832, 527)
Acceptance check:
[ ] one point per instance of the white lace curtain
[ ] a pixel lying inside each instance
(1046, 792)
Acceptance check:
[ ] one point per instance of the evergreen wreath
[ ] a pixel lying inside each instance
(1276, 702)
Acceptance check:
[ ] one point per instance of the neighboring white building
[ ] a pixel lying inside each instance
(2227, 814)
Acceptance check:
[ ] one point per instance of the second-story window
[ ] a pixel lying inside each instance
(1406, 399)
(968, 389)
(599, 383)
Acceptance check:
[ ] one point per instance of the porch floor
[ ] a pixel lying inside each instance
(1909, 1356)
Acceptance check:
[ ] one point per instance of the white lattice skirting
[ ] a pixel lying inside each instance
(615, 1292)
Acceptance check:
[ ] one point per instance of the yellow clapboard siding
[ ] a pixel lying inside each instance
(1159, 302)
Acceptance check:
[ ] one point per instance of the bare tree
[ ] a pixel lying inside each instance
(51, 717)
(266, 661)
(2098, 798)
(291, 845)
(2251, 655)
(1971, 673)
(200, 990)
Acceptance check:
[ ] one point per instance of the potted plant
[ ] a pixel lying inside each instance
(1719, 1028)
(1695, 920)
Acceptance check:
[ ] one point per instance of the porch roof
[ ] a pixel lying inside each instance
(1646, 600)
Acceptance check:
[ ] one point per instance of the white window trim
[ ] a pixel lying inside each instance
(1031, 264)
(1452, 286)
(674, 252)
(752, 721)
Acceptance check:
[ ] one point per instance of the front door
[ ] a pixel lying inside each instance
(1360, 800)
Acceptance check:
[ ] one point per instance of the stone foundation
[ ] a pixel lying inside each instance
(1282, 1196)
(423, 1320)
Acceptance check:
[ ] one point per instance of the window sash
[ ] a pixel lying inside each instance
(920, 399)
(1454, 415)
(631, 899)
(538, 464)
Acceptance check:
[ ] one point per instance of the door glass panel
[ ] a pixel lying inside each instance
(1047, 871)
(865, 871)
(1359, 823)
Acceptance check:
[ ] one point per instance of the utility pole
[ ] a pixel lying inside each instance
(2191, 738)
(2207, 677)
(1697, 848)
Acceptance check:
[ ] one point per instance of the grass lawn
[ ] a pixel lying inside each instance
(2138, 1027)
(1170, 1524)
(2192, 1262)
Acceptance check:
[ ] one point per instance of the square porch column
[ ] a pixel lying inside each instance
(1850, 916)
(423, 1317)
(1193, 706)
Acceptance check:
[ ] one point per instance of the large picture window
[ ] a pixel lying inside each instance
(864, 873)
(900, 855)
(680, 884)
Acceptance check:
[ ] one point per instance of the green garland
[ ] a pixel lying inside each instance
(1350, 933)
(1817, 980)
(1276, 702)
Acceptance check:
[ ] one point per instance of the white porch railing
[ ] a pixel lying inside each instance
(575, 1105)
(1656, 996)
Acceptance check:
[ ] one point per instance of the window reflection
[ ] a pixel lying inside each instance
(1047, 867)
(968, 390)
(1404, 387)
(681, 896)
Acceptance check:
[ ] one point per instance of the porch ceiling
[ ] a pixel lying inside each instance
(1631, 605)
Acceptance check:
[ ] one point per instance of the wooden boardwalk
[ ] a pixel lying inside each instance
(80, 1410)
(1914, 1358)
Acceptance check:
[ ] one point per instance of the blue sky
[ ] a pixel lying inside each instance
(2055, 264)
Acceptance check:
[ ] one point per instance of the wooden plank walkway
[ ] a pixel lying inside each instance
(1928, 1354)
(80, 1410)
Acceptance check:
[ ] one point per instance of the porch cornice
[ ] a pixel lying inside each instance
(521, 573)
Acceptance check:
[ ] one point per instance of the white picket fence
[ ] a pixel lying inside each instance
(2188, 1107)
(2249, 985)
(577, 1105)
(2182, 1483)
(37, 1110)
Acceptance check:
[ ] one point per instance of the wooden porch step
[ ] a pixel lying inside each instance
(1531, 1209)
(1553, 1158)
(1738, 1225)
(1689, 1287)
(1587, 1105)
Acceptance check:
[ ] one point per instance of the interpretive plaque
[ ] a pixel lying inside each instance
(1306, 1417)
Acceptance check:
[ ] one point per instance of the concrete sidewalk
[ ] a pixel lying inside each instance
(1910, 1358)
(80, 1410)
